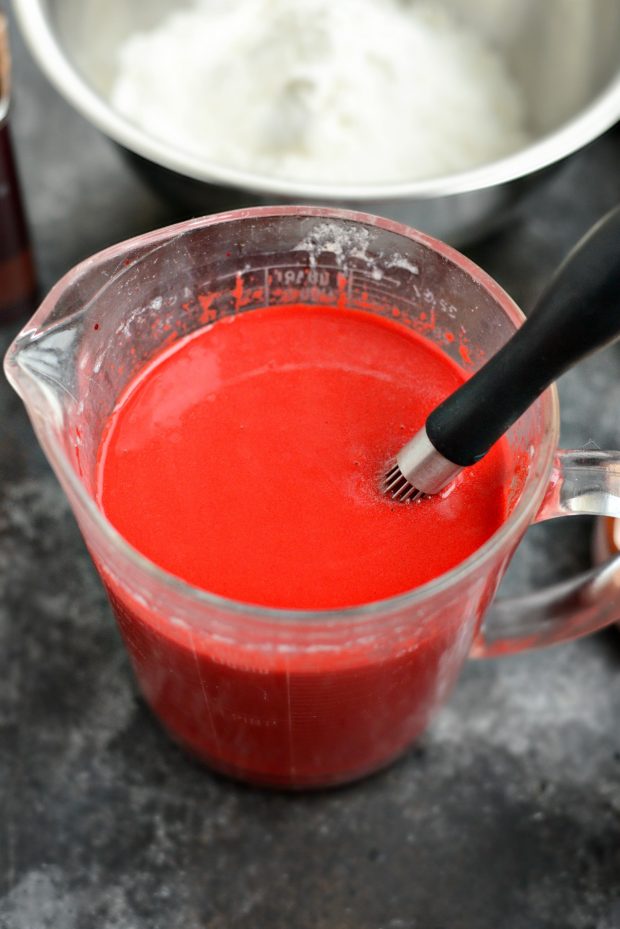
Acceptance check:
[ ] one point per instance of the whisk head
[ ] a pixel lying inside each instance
(396, 486)
(418, 470)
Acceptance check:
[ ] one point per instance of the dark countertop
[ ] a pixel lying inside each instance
(506, 815)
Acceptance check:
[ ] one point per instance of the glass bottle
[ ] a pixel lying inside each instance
(18, 290)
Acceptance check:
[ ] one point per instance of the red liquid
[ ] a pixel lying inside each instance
(245, 460)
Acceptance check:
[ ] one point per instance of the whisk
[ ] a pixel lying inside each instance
(578, 313)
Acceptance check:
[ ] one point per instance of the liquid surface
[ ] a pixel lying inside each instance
(246, 459)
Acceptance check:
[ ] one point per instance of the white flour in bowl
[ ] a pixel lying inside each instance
(322, 90)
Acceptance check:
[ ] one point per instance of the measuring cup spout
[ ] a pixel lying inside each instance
(38, 366)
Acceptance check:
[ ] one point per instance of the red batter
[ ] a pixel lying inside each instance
(246, 460)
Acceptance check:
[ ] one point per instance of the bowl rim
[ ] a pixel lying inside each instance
(600, 114)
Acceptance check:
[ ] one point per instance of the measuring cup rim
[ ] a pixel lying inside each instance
(513, 527)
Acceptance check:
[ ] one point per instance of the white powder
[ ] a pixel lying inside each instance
(322, 90)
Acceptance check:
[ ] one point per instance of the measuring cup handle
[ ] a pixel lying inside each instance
(582, 483)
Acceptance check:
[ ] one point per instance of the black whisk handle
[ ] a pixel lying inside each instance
(578, 313)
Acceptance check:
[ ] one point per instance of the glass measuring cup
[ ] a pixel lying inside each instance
(279, 697)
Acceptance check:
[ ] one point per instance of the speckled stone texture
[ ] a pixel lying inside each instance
(505, 816)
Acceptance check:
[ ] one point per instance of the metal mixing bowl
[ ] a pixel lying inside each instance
(564, 53)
